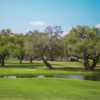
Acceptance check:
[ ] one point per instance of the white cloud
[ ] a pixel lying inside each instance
(97, 26)
(38, 23)
(67, 31)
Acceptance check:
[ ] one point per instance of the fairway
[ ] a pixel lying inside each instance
(48, 89)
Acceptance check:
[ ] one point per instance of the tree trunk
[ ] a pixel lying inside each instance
(48, 65)
(31, 59)
(94, 62)
(2, 61)
(20, 59)
(85, 59)
(94, 59)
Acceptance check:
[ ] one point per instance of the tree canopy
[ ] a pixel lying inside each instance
(82, 42)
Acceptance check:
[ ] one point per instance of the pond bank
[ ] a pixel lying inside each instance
(44, 73)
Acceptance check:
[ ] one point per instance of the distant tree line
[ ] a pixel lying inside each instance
(82, 42)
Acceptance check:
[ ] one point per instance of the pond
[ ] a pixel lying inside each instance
(81, 77)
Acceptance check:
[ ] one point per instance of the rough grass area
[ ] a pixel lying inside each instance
(48, 89)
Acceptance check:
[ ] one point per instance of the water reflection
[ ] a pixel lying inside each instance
(81, 77)
(70, 76)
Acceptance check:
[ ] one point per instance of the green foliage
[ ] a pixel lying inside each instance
(50, 43)
(84, 40)
(82, 37)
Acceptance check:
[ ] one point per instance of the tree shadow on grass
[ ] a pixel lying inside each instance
(69, 69)
(41, 65)
(23, 65)
(75, 69)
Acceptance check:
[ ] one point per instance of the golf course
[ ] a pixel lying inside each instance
(48, 87)
(49, 49)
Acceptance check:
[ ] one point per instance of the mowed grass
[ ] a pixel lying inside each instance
(13, 67)
(46, 72)
(39, 64)
(48, 89)
(37, 67)
(14, 63)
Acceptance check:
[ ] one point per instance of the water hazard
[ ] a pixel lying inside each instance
(81, 77)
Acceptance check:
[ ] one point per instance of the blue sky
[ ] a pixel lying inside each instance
(24, 15)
